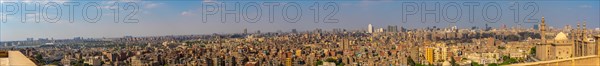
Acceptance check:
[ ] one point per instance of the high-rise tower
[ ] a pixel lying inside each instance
(370, 28)
(245, 31)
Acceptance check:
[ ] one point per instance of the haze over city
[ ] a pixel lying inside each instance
(158, 18)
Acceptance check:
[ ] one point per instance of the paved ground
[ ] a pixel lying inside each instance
(16, 58)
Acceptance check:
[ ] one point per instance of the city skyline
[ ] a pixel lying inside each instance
(159, 18)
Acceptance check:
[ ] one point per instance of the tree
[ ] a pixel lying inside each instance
(40, 59)
(453, 62)
(502, 48)
(330, 60)
(341, 64)
(508, 60)
(493, 64)
(319, 62)
(505, 57)
(532, 51)
(475, 64)
(411, 62)
(334, 61)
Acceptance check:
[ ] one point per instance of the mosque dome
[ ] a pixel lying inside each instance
(561, 36)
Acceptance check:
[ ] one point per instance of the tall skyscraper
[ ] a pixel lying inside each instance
(294, 31)
(536, 27)
(370, 28)
(429, 55)
(392, 28)
(30, 39)
(245, 30)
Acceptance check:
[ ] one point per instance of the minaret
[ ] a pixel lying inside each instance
(577, 41)
(573, 38)
(583, 30)
(542, 47)
(578, 31)
(583, 39)
(543, 30)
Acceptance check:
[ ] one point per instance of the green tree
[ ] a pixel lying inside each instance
(333, 60)
(341, 64)
(475, 64)
(453, 61)
(502, 48)
(319, 63)
(532, 51)
(493, 64)
(330, 60)
(504, 57)
(411, 62)
(40, 59)
(508, 60)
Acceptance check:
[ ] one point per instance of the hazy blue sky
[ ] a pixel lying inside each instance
(184, 17)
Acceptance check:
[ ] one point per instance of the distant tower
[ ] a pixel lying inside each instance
(370, 28)
(392, 28)
(294, 31)
(245, 30)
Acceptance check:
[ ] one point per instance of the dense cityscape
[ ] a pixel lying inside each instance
(390, 45)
